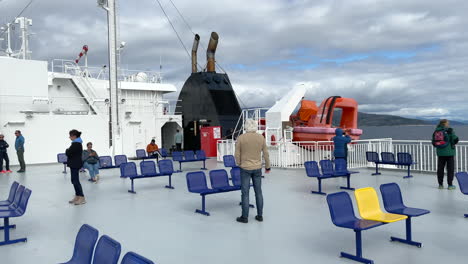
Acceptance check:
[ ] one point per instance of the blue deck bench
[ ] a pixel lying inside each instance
(105, 162)
(196, 183)
(62, 158)
(330, 169)
(17, 209)
(462, 178)
(148, 170)
(11, 195)
(189, 157)
(388, 158)
(141, 154)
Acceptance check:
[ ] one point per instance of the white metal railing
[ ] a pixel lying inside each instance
(293, 154)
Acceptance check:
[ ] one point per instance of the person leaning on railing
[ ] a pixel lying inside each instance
(444, 139)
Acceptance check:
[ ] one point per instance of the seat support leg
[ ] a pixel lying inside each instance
(131, 190)
(204, 166)
(202, 211)
(409, 175)
(320, 187)
(408, 239)
(7, 240)
(180, 167)
(64, 168)
(348, 180)
(376, 169)
(358, 257)
(170, 182)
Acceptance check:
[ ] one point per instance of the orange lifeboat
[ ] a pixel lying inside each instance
(312, 123)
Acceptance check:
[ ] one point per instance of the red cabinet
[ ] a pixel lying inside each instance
(209, 137)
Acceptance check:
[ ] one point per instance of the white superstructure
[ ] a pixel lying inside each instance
(46, 100)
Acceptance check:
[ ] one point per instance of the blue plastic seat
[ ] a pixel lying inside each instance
(189, 155)
(229, 161)
(201, 155)
(393, 203)
(163, 152)
(328, 171)
(119, 159)
(105, 162)
(462, 178)
(342, 215)
(236, 177)
(166, 167)
(107, 251)
(388, 158)
(11, 196)
(327, 168)
(148, 168)
(16, 200)
(373, 156)
(312, 170)
(220, 180)
(62, 158)
(134, 258)
(196, 183)
(128, 170)
(141, 154)
(84, 245)
(405, 159)
(19, 211)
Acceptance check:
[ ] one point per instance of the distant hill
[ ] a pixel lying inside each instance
(365, 119)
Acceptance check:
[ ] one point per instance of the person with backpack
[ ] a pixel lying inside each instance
(444, 140)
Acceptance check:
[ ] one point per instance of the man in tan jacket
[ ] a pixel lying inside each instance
(249, 149)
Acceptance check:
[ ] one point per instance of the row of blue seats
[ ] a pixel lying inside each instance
(147, 170)
(189, 156)
(141, 154)
(388, 158)
(462, 178)
(107, 250)
(196, 183)
(342, 214)
(105, 162)
(14, 206)
(330, 169)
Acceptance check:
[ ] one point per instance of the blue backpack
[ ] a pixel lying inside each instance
(440, 139)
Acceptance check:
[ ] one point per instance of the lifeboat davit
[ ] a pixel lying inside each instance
(312, 123)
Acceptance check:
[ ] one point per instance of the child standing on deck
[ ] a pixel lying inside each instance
(4, 155)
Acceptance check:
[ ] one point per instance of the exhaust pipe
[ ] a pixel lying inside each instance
(210, 52)
(194, 53)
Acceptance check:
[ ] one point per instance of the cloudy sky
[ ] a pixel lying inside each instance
(398, 57)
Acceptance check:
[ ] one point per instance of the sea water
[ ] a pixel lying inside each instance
(422, 132)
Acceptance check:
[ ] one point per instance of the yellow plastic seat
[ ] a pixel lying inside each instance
(369, 207)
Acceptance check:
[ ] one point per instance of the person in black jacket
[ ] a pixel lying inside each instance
(75, 162)
(4, 155)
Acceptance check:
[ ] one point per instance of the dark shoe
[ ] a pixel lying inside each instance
(242, 220)
(259, 218)
(21, 171)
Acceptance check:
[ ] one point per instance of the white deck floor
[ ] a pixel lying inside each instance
(161, 224)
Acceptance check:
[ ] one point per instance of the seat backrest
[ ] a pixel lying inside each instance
(163, 152)
(84, 244)
(201, 155)
(107, 251)
(148, 168)
(312, 169)
(391, 196)
(134, 258)
(105, 161)
(462, 178)
(236, 177)
(13, 188)
(388, 157)
(141, 153)
(119, 159)
(341, 166)
(128, 170)
(372, 156)
(229, 161)
(196, 181)
(62, 158)
(18, 194)
(177, 156)
(404, 158)
(219, 179)
(327, 167)
(341, 208)
(189, 155)
(23, 203)
(166, 167)
(368, 202)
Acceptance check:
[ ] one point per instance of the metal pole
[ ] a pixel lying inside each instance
(9, 51)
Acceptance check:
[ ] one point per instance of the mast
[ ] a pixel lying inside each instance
(114, 130)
